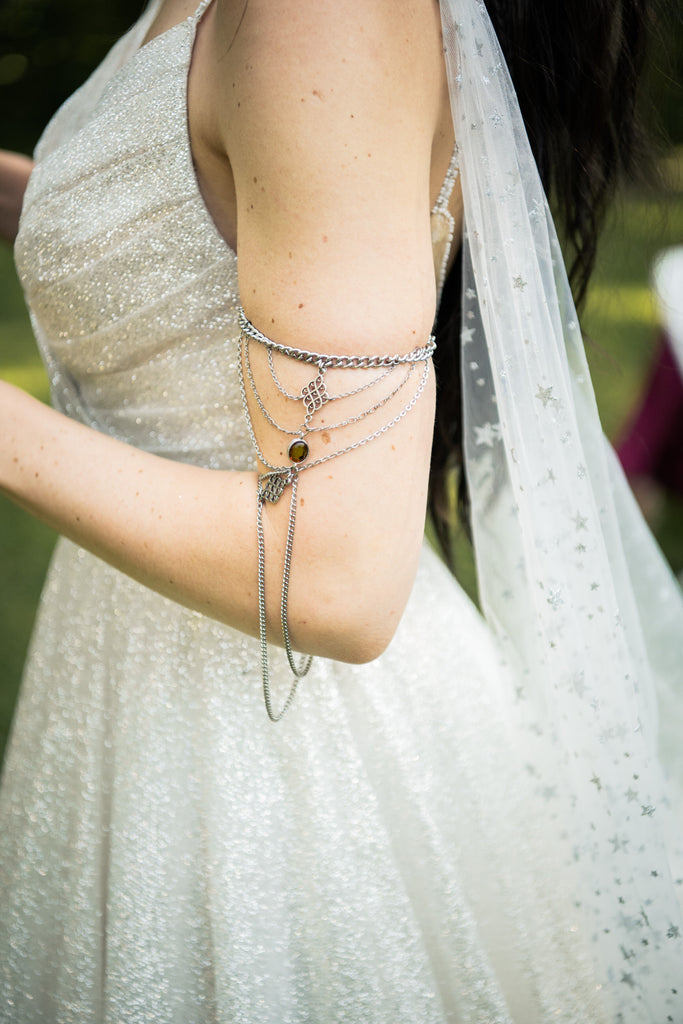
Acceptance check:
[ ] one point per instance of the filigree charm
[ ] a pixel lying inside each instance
(315, 395)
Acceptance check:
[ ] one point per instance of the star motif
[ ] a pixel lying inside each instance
(674, 932)
(597, 782)
(551, 477)
(581, 548)
(466, 335)
(631, 795)
(544, 395)
(478, 47)
(496, 119)
(487, 435)
(519, 282)
(594, 586)
(555, 599)
(618, 843)
(647, 810)
(627, 979)
(470, 293)
(580, 522)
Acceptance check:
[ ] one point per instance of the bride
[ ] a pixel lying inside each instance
(454, 819)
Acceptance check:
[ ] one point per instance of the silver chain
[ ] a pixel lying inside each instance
(329, 362)
(410, 369)
(345, 394)
(298, 671)
(342, 451)
(271, 485)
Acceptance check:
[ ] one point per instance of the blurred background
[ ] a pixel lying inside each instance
(48, 48)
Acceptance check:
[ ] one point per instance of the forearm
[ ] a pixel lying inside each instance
(15, 170)
(190, 533)
(172, 526)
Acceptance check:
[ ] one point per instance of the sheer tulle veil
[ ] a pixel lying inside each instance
(570, 579)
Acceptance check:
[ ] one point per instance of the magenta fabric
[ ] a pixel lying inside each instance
(652, 445)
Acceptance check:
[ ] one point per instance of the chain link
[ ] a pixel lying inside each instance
(329, 362)
(305, 427)
(346, 394)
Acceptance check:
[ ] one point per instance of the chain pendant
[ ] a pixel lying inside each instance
(272, 485)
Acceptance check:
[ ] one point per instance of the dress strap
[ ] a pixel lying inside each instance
(200, 12)
(443, 225)
(446, 192)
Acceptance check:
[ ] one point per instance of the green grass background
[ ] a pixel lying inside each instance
(619, 321)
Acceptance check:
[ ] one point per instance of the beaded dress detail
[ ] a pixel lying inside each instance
(166, 853)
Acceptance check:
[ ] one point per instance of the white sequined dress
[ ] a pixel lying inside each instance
(166, 853)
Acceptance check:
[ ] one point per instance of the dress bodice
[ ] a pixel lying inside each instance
(132, 291)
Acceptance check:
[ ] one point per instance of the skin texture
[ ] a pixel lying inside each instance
(319, 166)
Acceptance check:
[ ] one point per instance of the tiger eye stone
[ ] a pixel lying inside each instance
(298, 450)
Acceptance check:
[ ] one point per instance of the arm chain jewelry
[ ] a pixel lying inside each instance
(330, 362)
(345, 394)
(271, 485)
(306, 427)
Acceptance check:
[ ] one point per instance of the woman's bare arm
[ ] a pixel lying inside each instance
(330, 148)
(14, 174)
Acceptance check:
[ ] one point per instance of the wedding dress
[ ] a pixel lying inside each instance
(398, 848)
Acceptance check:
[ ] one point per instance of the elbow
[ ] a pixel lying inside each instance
(352, 628)
(364, 643)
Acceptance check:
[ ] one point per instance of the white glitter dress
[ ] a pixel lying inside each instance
(166, 853)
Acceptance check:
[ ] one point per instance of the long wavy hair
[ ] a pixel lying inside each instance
(575, 67)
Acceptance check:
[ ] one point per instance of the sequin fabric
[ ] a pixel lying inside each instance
(166, 853)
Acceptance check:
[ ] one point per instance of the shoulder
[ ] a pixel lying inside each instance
(336, 36)
(299, 64)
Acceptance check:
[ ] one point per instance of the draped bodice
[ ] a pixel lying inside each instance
(132, 291)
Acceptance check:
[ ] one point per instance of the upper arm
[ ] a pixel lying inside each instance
(328, 121)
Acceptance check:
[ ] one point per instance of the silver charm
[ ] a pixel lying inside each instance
(271, 485)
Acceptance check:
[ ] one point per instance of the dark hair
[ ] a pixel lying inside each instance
(575, 67)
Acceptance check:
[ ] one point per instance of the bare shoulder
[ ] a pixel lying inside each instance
(328, 111)
(336, 36)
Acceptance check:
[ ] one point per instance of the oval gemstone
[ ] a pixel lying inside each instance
(298, 450)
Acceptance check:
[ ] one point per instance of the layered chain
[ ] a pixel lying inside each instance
(314, 397)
